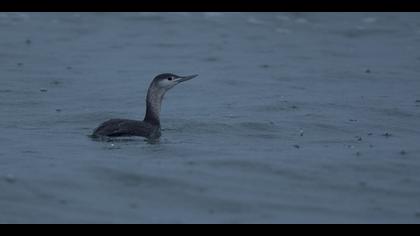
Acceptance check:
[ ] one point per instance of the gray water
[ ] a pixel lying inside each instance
(295, 118)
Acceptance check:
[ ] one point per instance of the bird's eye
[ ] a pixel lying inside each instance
(170, 78)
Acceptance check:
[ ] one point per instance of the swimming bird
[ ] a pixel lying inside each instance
(150, 126)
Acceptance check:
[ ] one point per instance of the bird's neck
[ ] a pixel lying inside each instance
(153, 105)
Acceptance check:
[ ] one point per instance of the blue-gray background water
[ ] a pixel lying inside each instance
(295, 117)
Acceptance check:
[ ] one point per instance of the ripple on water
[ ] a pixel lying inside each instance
(143, 16)
(211, 59)
(258, 126)
(280, 106)
(260, 130)
(131, 178)
(360, 33)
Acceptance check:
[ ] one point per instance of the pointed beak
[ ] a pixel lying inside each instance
(185, 78)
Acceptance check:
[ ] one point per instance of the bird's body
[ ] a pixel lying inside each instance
(125, 127)
(150, 126)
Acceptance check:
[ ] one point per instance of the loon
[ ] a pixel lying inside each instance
(150, 126)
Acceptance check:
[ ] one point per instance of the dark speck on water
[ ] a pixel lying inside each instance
(211, 59)
(55, 82)
(133, 205)
(63, 202)
(403, 152)
(368, 71)
(265, 66)
(359, 138)
(43, 90)
(19, 64)
(10, 179)
(28, 42)
(191, 163)
(387, 135)
(362, 184)
(296, 146)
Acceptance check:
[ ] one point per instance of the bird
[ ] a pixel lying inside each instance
(150, 126)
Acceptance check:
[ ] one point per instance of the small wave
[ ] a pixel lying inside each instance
(255, 21)
(369, 20)
(213, 14)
